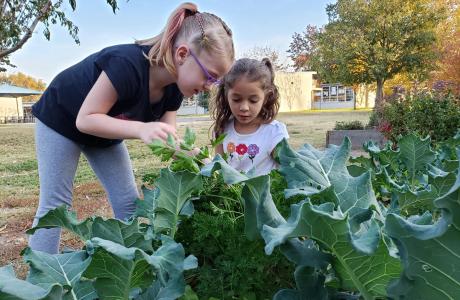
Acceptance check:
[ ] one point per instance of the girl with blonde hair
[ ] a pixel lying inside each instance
(129, 91)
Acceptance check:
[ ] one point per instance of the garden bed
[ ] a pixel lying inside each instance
(357, 137)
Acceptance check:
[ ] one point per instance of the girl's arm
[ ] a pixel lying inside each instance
(93, 119)
(169, 117)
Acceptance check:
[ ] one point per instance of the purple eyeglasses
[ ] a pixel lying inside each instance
(210, 79)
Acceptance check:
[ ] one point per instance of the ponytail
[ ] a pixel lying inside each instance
(161, 52)
(203, 31)
(271, 104)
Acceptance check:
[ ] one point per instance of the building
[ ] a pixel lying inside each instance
(11, 105)
(301, 91)
(296, 90)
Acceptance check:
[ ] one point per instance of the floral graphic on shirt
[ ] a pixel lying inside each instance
(253, 150)
(241, 149)
(230, 149)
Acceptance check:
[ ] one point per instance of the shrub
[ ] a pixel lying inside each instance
(373, 120)
(351, 125)
(434, 114)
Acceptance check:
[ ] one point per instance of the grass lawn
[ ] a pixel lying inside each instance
(19, 185)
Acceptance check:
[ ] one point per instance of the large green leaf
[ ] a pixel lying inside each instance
(12, 288)
(175, 190)
(145, 208)
(416, 154)
(124, 233)
(304, 172)
(230, 174)
(385, 157)
(170, 263)
(260, 210)
(310, 171)
(367, 273)
(116, 270)
(66, 269)
(413, 203)
(310, 285)
(441, 181)
(430, 253)
(64, 218)
(119, 271)
(406, 166)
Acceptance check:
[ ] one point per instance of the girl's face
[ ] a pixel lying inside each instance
(246, 100)
(195, 72)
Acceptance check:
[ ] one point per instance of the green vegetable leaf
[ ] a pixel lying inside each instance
(137, 270)
(124, 233)
(189, 139)
(430, 253)
(310, 171)
(310, 285)
(219, 140)
(175, 190)
(66, 269)
(64, 218)
(416, 154)
(230, 175)
(358, 271)
(12, 288)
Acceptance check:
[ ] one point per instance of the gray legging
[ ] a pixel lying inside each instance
(57, 158)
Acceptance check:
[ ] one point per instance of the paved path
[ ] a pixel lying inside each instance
(186, 119)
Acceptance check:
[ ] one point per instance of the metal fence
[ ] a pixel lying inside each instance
(15, 119)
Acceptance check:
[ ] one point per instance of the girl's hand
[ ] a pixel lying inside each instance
(156, 130)
(207, 161)
(194, 152)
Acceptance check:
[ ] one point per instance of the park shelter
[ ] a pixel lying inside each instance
(11, 104)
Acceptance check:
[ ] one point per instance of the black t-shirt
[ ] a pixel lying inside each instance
(128, 70)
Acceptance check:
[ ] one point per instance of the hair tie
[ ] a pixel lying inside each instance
(189, 12)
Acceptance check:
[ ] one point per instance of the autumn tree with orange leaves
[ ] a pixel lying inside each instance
(371, 41)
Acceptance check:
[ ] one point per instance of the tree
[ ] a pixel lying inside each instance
(203, 99)
(448, 45)
(303, 47)
(369, 41)
(19, 18)
(25, 81)
(260, 53)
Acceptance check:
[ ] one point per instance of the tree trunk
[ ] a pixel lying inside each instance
(379, 93)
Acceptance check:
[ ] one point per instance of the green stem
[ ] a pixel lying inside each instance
(223, 197)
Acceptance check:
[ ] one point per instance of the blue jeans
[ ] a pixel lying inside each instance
(57, 158)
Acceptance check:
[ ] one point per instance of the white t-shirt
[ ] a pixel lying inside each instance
(247, 151)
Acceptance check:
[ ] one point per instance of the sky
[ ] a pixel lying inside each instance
(255, 23)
